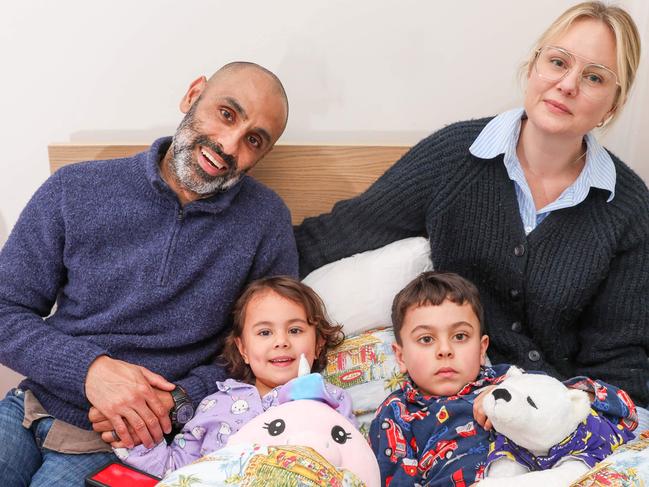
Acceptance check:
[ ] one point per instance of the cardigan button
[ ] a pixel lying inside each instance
(515, 294)
(517, 326)
(534, 355)
(519, 250)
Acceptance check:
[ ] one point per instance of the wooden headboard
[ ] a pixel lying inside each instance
(310, 178)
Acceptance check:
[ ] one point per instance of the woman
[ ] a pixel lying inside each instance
(552, 228)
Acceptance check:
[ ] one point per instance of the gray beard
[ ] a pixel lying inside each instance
(186, 169)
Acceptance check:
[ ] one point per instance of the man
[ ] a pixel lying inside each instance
(144, 257)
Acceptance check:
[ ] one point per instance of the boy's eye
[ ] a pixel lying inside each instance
(461, 336)
(426, 339)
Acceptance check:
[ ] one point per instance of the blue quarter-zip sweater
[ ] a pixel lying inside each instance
(135, 276)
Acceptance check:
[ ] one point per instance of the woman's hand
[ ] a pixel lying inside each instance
(478, 410)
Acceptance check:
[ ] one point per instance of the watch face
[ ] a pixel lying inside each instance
(184, 413)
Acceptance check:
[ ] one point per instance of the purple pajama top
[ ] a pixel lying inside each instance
(218, 416)
(593, 440)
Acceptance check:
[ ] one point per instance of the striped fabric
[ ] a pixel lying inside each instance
(500, 136)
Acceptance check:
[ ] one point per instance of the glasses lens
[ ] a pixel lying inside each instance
(553, 64)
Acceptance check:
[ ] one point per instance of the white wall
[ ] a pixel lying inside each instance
(367, 71)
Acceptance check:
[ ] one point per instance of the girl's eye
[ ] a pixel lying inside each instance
(264, 333)
(295, 331)
(426, 339)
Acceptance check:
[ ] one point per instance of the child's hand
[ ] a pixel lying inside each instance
(478, 410)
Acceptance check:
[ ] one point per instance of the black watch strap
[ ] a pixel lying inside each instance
(183, 409)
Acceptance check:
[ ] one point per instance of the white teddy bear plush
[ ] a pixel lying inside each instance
(535, 413)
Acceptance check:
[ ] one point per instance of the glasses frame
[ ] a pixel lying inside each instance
(573, 58)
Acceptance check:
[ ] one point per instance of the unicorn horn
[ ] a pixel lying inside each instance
(304, 368)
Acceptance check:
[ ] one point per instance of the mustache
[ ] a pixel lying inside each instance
(205, 141)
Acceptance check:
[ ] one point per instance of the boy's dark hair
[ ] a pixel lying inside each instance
(433, 288)
(328, 334)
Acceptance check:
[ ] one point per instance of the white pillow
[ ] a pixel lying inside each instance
(358, 290)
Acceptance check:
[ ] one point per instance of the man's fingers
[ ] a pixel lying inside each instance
(96, 416)
(161, 410)
(122, 431)
(140, 429)
(162, 415)
(157, 380)
(102, 426)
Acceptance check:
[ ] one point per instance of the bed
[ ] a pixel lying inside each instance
(310, 179)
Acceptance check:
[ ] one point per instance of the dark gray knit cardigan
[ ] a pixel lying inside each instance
(571, 298)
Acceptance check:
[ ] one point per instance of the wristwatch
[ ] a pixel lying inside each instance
(183, 409)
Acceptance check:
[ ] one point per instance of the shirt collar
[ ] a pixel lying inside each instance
(500, 136)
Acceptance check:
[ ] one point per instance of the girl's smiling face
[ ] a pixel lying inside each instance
(275, 333)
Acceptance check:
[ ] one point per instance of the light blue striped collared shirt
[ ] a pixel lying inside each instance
(500, 136)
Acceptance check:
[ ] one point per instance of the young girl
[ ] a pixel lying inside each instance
(275, 320)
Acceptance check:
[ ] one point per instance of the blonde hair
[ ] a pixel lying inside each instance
(627, 41)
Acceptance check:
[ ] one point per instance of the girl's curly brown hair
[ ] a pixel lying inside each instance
(328, 335)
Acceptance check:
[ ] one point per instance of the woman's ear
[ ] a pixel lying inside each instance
(242, 349)
(608, 116)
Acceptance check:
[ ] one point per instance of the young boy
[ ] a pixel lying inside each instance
(426, 432)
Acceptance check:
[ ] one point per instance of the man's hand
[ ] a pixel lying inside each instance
(478, 410)
(126, 392)
(100, 423)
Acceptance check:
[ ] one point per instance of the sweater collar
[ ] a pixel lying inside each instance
(216, 203)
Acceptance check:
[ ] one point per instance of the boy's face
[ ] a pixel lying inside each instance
(441, 347)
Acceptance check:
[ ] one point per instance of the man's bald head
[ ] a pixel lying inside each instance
(241, 66)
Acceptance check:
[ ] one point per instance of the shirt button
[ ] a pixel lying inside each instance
(515, 294)
(534, 355)
(517, 326)
(519, 250)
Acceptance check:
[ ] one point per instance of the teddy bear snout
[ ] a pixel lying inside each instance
(502, 394)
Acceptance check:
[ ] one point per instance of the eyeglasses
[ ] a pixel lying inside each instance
(554, 64)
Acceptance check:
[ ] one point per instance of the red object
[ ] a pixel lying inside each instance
(117, 474)
(396, 442)
(458, 479)
(443, 449)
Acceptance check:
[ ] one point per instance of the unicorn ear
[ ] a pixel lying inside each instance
(304, 368)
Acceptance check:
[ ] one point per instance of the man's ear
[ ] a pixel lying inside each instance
(242, 349)
(195, 90)
(398, 355)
